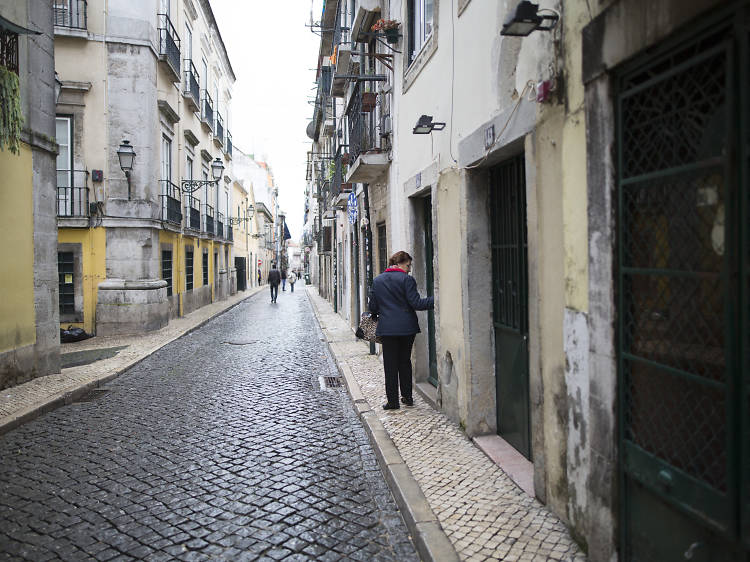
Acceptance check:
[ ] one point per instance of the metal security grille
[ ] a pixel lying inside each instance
(678, 218)
(188, 269)
(66, 272)
(509, 246)
(205, 268)
(166, 269)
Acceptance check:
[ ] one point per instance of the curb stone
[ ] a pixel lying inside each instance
(428, 536)
(69, 396)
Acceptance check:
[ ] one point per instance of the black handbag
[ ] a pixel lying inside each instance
(367, 327)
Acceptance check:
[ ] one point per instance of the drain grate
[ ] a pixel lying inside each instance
(327, 382)
(94, 394)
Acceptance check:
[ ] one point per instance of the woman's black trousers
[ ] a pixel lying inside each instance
(397, 366)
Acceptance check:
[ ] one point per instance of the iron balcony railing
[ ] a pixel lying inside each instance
(219, 134)
(169, 43)
(340, 163)
(192, 83)
(363, 135)
(171, 208)
(207, 114)
(220, 226)
(70, 13)
(193, 213)
(228, 146)
(208, 219)
(72, 193)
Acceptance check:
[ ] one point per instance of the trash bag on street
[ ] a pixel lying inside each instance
(73, 334)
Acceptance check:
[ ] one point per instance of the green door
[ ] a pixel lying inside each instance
(682, 307)
(430, 275)
(510, 302)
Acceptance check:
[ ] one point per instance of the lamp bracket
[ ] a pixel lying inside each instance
(189, 186)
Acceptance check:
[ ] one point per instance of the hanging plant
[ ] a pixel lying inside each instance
(11, 117)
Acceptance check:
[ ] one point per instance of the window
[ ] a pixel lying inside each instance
(382, 248)
(420, 15)
(205, 268)
(65, 271)
(188, 42)
(188, 268)
(166, 269)
(216, 268)
(166, 159)
(63, 132)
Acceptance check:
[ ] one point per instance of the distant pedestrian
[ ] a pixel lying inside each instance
(260, 278)
(394, 300)
(292, 280)
(283, 279)
(274, 278)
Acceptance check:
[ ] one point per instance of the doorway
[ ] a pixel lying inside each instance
(432, 376)
(510, 302)
(239, 264)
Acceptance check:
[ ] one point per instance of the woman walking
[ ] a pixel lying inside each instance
(394, 300)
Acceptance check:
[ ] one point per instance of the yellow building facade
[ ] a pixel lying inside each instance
(147, 238)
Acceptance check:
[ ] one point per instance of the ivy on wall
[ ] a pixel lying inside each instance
(11, 118)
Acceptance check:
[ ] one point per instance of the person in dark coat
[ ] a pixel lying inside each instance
(283, 279)
(394, 300)
(274, 278)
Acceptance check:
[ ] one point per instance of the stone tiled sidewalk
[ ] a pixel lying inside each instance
(482, 511)
(25, 401)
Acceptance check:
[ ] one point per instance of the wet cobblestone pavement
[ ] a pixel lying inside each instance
(221, 446)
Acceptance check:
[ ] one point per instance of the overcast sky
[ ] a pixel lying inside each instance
(273, 56)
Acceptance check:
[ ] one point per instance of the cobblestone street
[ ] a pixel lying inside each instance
(221, 445)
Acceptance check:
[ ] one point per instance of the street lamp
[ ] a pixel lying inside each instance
(126, 155)
(217, 169)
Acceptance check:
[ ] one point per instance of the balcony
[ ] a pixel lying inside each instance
(369, 160)
(208, 219)
(220, 226)
(169, 46)
(228, 145)
(340, 169)
(72, 194)
(171, 208)
(70, 14)
(192, 89)
(344, 65)
(219, 131)
(207, 115)
(193, 213)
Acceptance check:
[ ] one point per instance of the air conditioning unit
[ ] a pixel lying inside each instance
(385, 125)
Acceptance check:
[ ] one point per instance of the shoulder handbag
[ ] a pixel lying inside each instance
(367, 327)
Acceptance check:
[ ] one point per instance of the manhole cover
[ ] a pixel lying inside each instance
(329, 382)
(239, 342)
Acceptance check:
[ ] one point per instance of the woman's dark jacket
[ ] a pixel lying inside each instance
(394, 299)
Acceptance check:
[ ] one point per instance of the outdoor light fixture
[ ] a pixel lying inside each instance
(527, 19)
(250, 211)
(58, 87)
(217, 169)
(126, 154)
(425, 126)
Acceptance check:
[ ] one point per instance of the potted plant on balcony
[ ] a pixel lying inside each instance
(345, 157)
(369, 99)
(389, 29)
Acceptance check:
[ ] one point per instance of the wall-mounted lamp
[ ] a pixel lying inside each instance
(425, 125)
(217, 169)
(58, 87)
(126, 154)
(250, 211)
(527, 18)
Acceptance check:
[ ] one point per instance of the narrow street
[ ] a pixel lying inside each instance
(221, 445)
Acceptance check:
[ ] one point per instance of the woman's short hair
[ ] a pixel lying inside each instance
(399, 257)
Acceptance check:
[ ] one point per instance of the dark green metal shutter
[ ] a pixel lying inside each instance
(679, 353)
(66, 266)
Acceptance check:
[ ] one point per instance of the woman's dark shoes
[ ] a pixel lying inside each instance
(407, 401)
(387, 406)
